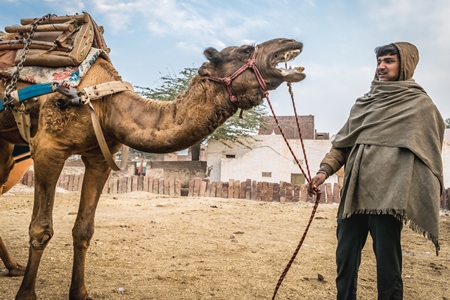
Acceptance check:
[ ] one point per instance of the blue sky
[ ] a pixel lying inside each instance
(150, 38)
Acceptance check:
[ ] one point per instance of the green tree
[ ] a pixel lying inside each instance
(447, 123)
(173, 84)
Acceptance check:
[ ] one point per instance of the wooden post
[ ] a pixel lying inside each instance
(276, 192)
(113, 186)
(80, 182)
(336, 191)
(58, 19)
(296, 197)
(303, 193)
(171, 191)
(202, 190)
(248, 189)
(145, 183)
(289, 195)
(282, 191)
(230, 192)
(329, 193)
(120, 185)
(40, 28)
(140, 183)
(254, 189)
(129, 184)
(123, 185)
(323, 198)
(236, 189)
(225, 189)
(197, 183)
(242, 192)
(150, 184)
(212, 189)
(155, 185)
(177, 191)
(219, 189)
(191, 188)
(269, 196)
(208, 188)
(161, 186)
(134, 183)
(258, 191)
(74, 183)
(264, 191)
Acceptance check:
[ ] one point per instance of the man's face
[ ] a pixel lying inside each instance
(388, 68)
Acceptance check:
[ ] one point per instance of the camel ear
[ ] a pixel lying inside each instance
(205, 69)
(213, 55)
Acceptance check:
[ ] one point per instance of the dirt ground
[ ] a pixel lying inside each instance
(149, 246)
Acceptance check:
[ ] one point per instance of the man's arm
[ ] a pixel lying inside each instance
(330, 164)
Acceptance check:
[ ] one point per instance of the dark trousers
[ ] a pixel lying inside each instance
(351, 236)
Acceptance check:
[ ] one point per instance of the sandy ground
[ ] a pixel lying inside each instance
(149, 246)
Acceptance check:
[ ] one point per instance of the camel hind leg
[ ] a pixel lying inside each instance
(14, 268)
(95, 176)
(6, 164)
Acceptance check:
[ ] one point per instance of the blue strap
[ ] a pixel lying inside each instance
(32, 91)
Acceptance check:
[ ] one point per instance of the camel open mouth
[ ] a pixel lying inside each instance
(289, 73)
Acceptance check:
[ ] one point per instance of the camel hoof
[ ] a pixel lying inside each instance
(19, 270)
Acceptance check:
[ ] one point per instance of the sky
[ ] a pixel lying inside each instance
(153, 38)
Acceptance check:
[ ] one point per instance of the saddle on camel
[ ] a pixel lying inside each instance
(55, 54)
(62, 96)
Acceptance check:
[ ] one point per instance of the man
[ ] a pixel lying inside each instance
(391, 148)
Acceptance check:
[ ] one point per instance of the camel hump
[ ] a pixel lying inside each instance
(59, 41)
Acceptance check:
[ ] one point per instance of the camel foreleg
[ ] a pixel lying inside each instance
(95, 176)
(48, 165)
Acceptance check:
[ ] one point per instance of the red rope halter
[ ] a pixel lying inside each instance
(251, 64)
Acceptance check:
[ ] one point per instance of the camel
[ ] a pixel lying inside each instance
(126, 118)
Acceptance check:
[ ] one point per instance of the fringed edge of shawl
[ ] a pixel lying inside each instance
(400, 215)
(426, 234)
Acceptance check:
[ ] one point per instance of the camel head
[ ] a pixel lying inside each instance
(264, 58)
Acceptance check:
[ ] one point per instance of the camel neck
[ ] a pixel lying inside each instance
(161, 127)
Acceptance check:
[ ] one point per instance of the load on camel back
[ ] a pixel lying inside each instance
(61, 96)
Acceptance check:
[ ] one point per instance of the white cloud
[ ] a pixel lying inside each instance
(189, 22)
(67, 7)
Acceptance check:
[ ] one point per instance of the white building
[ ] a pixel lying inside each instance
(267, 158)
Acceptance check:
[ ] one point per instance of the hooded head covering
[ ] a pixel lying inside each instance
(409, 58)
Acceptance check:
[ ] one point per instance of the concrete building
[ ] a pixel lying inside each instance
(268, 158)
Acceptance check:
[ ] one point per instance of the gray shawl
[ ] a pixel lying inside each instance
(394, 115)
(397, 114)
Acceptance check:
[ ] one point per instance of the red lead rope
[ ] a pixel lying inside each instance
(307, 176)
(251, 63)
